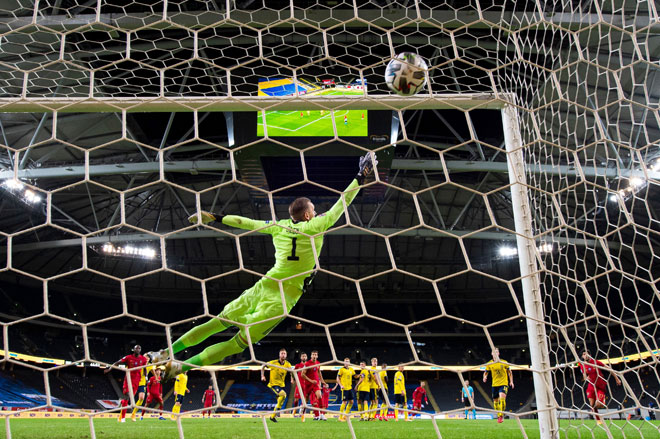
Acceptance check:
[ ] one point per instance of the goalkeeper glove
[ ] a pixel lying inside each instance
(206, 217)
(366, 166)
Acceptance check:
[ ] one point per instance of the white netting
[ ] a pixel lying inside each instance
(99, 201)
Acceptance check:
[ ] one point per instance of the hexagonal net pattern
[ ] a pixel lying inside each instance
(514, 203)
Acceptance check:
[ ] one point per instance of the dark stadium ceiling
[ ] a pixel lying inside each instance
(49, 153)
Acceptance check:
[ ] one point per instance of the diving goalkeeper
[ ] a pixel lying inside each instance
(260, 305)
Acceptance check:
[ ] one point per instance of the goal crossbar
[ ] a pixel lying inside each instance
(462, 101)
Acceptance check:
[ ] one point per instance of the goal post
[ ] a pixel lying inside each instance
(529, 274)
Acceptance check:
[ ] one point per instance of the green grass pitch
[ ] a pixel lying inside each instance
(313, 124)
(248, 428)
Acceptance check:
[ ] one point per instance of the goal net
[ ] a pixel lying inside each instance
(514, 204)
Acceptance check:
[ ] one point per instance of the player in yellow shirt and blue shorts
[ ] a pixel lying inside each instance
(298, 242)
(373, 392)
(363, 388)
(180, 390)
(278, 372)
(400, 399)
(142, 390)
(345, 382)
(502, 379)
(382, 376)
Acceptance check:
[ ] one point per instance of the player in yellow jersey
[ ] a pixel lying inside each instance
(142, 388)
(375, 387)
(276, 380)
(363, 388)
(345, 382)
(180, 390)
(502, 379)
(400, 399)
(382, 391)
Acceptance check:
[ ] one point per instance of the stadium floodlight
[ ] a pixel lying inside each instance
(508, 252)
(128, 250)
(31, 197)
(12, 184)
(15, 187)
(636, 182)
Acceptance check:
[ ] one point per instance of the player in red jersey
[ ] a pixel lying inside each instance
(325, 397)
(296, 396)
(208, 399)
(154, 393)
(314, 380)
(133, 361)
(596, 383)
(418, 394)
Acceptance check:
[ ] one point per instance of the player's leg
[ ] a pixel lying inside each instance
(360, 401)
(124, 401)
(349, 406)
(177, 406)
(122, 413)
(366, 403)
(502, 404)
(146, 404)
(600, 398)
(373, 405)
(161, 405)
(383, 407)
(138, 403)
(342, 407)
(235, 310)
(318, 403)
(281, 396)
(261, 303)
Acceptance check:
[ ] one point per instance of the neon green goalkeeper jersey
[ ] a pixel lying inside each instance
(294, 253)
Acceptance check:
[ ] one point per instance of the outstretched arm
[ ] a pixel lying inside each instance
(325, 221)
(240, 222)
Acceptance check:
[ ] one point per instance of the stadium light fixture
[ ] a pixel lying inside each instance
(16, 188)
(510, 252)
(128, 250)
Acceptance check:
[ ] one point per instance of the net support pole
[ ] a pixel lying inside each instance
(538, 343)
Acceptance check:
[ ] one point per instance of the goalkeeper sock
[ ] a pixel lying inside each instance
(198, 334)
(474, 413)
(216, 353)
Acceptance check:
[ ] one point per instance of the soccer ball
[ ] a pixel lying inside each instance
(406, 74)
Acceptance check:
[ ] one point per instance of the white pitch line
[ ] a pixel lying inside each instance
(307, 124)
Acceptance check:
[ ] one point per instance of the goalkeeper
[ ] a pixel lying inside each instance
(257, 309)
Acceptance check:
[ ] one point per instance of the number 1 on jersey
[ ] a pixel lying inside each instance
(293, 256)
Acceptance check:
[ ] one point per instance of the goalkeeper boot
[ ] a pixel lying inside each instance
(172, 369)
(159, 356)
(204, 217)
